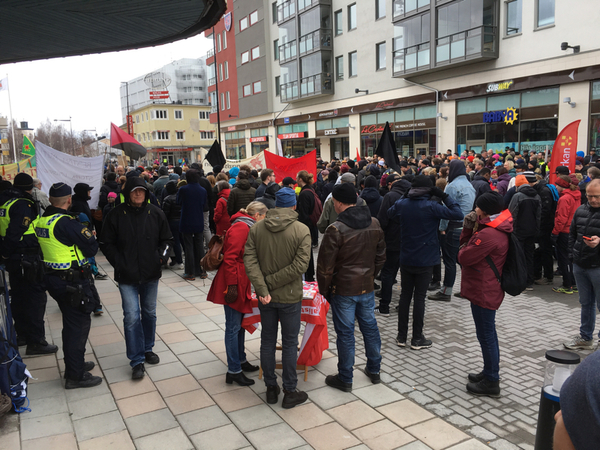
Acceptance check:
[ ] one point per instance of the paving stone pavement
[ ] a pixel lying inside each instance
(184, 403)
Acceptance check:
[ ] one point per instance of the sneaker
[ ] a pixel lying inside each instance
(179, 266)
(88, 366)
(434, 286)
(335, 382)
(419, 344)
(293, 398)
(41, 348)
(374, 377)
(98, 311)
(384, 314)
(400, 342)
(440, 296)
(239, 378)
(543, 282)
(457, 294)
(272, 393)
(562, 290)
(578, 343)
(247, 367)
(101, 276)
(188, 277)
(203, 276)
(557, 273)
(529, 288)
(378, 293)
(476, 377)
(575, 290)
(138, 372)
(152, 358)
(485, 387)
(88, 380)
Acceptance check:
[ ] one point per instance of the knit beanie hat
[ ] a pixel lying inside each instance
(285, 198)
(371, 181)
(520, 180)
(491, 203)
(345, 193)
(422, 181)
(23, 181)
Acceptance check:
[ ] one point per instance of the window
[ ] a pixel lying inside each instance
(218, 42)
(226, 72)
(222, 101)
(379, 9)
(224, 41)
(352, 63)
(513, 17)
(162, 135)
(179, 135)
(402, 7)
(339, 68)
(146, 115)
(257, 87)
(277, 86)
(380, 56)
(243, 24)
(253, 18)
(203, 115)
(207, 135)
(137, 118)
(274, 11)
(160, 114)
(220, 72)
(255, 53)
(339, 25)
(545, 13)
(352, 17)
(178, 114)
(227, 100)
(245, 57)
(276, 49)
(247, 90)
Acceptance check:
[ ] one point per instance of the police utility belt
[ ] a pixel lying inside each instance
(73, 274)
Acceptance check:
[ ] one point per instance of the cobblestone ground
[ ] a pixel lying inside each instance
(435, 378)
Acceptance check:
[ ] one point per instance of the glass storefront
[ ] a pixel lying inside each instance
(294, 142)
(595, 117)
(259, 140)
(340, 147)
(235, 145)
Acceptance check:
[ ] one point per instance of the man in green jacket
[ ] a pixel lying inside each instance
(276, 255)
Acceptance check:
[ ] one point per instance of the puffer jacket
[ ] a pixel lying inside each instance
(567, 204)
(586, 222)
(373, 199)
(526, 209)
(240, 197)
(276, 255)
(352, 253)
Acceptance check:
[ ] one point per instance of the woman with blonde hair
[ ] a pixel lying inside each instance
(231, 288)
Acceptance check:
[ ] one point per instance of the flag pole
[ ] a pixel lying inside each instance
(12, 125)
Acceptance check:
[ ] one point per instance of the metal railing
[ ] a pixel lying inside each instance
(210, 53)
(303, 4)
(316, 40)
(321, 83)
(464, 45)
(212, 81)
(411, 59)
(287, 51)
(286, 10)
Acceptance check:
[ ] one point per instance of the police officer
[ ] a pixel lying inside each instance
(66, 244)
(21, 255)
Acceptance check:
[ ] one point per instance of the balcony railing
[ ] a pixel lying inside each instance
(319, 84)
(468, 44)
(210, 53)
(303, 4)
(317, 40)
(212, 81)
(213, 109)
(287, 52)
(286, 10)
(412, 59)
(403, 7)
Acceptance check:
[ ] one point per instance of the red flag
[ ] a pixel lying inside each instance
(564, 149)
(357, 155)
(120, 139)
(286, 167)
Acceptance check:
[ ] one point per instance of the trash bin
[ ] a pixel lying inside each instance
(560, 364)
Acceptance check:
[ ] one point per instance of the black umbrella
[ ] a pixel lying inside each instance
(215, 155)
(386, 149)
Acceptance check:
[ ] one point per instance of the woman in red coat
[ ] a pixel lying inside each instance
(485, 235)
(221, 217)
(231, 288)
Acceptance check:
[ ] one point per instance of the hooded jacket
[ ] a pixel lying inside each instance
(352, 253)
(80, 204)
(276, 255)
(136, 241)
(586, 222)
(109, 186)
(526, 209)
(373, 199)
(548, 207)
(169, 204)
(241, 196)
(481, 186)
(269, 198)
(502, 183)
(221, 217)
(489, 238)
(567, 204)
(391, 228)
(461, 190)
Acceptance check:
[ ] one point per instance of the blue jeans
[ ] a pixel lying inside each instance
(288, 314)
(450, 245)
(485, 325)
(235, 337)
(139, 322)
(345, 310)
(588, 284)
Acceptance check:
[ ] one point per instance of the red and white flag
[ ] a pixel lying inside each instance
(564, 150)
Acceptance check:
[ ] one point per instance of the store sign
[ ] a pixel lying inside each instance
(231, 128)
(384, 105)
(368, 129)
(500, 87)
(331, 132)
(410, 125)
(329, 113)
(292, 135)
(258, 139)
(508, 116)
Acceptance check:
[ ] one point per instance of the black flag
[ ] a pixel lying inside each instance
(215, 155)
(387, 149)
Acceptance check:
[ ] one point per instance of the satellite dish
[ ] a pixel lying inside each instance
(156, 80)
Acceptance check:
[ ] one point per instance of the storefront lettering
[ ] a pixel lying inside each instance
(499, 87)
(292, 135)
(232, 128)
(368, 129)
(329, 113)
(400, 126)
(331, 132)
(384, 105)
(508, 116)
(258, 139)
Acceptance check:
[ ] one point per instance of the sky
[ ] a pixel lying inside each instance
(85, 88)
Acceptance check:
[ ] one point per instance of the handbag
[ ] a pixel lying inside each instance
(214, 257)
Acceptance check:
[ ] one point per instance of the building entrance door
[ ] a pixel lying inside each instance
(476, 146)
(421, 150)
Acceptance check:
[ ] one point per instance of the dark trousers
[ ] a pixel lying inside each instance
(542, 257)
(28, 304)
(450, 245)
(485, 325)
(194, 251)
(174, 225)
(528, 245)
(414, 283)
(309, 275)
(565, 266)
(288, 315)
(388, 275)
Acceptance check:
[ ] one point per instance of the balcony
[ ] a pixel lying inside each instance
(212, 81)
(185, 83)
(213, 109)
(287, 52)
(303, 4)
(317, 40)
(314, 85)
(210, 53)
(412, 59)
(474, 43)
(285, 11)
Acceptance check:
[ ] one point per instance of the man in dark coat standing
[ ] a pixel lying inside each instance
(481, 183)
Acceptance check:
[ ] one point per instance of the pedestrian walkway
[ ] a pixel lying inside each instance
(184, 403)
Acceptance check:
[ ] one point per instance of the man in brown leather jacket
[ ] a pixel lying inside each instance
(352, 253)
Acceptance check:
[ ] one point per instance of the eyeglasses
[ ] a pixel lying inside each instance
(593, 196)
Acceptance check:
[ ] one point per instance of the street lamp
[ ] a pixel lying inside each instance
(71, 127)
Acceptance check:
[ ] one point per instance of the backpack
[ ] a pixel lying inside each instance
(514, 274)
(315, 215)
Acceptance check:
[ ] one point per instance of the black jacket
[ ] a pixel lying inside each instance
(586, 222)
(171, 209)
(306, 204)
(373, 199)
(526, 209)
(22, 213)
(481, 185)
(136, 241)
(109, 186)
(391, 228)
(80, 205)
(548, 207)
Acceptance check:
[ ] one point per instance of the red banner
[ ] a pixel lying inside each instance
(289, 167)
(357, 155)
(564, 149)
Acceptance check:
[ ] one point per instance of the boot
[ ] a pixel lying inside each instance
(485, 387)
(239, 378)
(476, 377)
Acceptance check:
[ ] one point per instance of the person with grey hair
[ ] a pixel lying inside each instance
(39, 196)
(328, 216)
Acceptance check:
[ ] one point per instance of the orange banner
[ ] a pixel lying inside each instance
(289, 167)
(564, 150)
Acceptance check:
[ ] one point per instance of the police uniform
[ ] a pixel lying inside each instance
(22, 258)
(66, 244)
